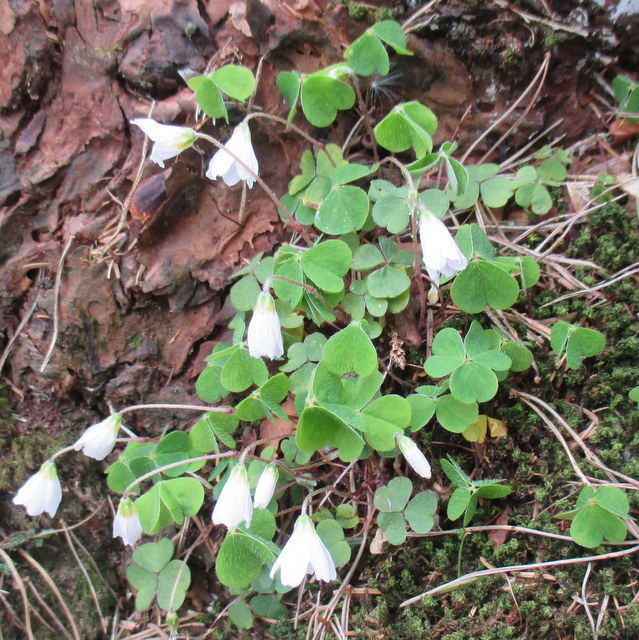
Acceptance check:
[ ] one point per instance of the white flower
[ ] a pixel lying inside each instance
(225, 165)
(265, 487)
(41, 492)
(442, 256)
(264, 335)
(234, 504)
(414, 456)
(127, 522)
(304, 553)
(169, 139)
(98, 441)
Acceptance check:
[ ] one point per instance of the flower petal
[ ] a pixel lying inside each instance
(234, 504)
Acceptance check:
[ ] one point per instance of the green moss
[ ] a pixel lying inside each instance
(135, 341)
(357, 11)
(386, 13)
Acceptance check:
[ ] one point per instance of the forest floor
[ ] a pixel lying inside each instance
(115, 275)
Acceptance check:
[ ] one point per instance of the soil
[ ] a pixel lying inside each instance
(140, 259)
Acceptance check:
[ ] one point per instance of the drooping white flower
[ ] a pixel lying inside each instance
(415, 458)
(234, 504)
(441, 254)
(264, 335)
(98, 441)
(224, 165)
(41, 492)
(304, 553)
(127, 524)
(265, 487)
(170, 140)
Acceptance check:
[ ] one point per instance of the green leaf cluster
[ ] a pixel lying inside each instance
(408, 125)
(384, 282)
(342, 407)
(169, 502)
(368, 55)
(345, 514)
(598, 515)
(489, 281)
(395, 510)
(264, 605)
(626, 92)
(529, 185)
(322, 94)
(319, 269)
(575, 342)
(245, 551)
(453, 415)
(393, 205)
(467, 493)
(140, 458)
(471, 363)
(154, 575)
(230, 368)
(332, 534)
(231, 80)
(265, 400)
(322, 194)
(457, 174)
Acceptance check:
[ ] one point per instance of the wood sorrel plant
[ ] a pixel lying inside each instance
(315, 309)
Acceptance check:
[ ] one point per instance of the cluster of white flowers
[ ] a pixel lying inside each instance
(43, 492)
(169, 141)
(303, 554)
(235, 505)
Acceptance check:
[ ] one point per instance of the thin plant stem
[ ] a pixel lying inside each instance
(292, 127)
(469, 577)
(85, 573)
(364, 111)
(269, 192)
(23, 592)
(186, 407)
(303, 285)
(414, 225)
(173, 465)
(23, 321)
(512, 529)
(61, 452)
(52, 585)
(56, 305)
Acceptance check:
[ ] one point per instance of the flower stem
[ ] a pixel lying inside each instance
(363, 109)
(57, 454)
(304, 286)
(172, 465)
(257, 443)
(188, 407)
(417, 269)
(293, 127)
(269, 192)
